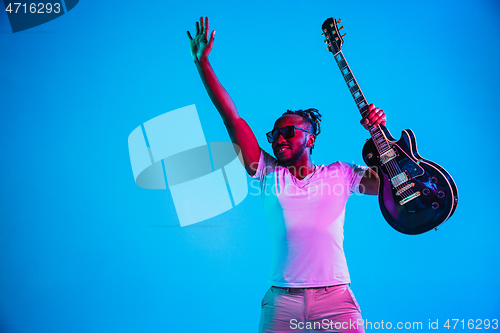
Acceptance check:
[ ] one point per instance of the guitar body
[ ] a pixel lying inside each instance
(438, 195)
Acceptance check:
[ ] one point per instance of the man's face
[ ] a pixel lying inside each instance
(289, 151)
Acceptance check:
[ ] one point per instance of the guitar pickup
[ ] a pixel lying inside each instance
(399, 179)
(387, 156)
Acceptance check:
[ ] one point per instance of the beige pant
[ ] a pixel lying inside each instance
(325, 309)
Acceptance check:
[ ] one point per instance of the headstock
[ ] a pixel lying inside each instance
(332, 35)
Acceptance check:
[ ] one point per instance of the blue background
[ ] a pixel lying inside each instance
(84, 249)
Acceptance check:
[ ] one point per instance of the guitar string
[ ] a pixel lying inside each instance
(392, 167)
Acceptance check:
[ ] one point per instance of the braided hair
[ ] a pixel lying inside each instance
(312, 116)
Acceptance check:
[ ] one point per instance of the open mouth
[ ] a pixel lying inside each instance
(282, 149)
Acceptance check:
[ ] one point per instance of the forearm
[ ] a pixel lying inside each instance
(216, 91)
(369, 183)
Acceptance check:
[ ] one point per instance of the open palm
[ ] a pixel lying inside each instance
(200, 45)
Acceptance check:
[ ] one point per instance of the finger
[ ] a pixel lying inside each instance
(371, 107)
(211, 42)
(189, 36)
(381, 118)
(197, 28)
(206, 28)
(373, 113)
(202, 25)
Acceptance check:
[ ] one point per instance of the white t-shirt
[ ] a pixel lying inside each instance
(306, 221)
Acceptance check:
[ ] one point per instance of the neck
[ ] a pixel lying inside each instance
(302, 167)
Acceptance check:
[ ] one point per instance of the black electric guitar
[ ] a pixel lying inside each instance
(415, 194)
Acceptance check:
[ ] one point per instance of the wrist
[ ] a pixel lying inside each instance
(201, 61)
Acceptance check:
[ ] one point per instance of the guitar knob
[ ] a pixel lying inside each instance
(440, 194)
(434, 180)
(435, 205)
(426, 191)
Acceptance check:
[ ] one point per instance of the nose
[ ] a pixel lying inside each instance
(280, 139)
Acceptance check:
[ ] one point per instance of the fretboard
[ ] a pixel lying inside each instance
(376, 132)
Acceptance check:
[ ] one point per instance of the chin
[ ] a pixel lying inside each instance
(287, 161)
(284, 162)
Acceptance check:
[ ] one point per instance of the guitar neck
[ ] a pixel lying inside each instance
(376, 132)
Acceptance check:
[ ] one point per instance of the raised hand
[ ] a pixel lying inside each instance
(200, 45)
(375, 117)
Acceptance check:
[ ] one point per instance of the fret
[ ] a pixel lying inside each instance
(348, 77)
(359, 99)
(379, 138)
(378, 131)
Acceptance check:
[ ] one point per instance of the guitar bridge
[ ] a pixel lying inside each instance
(409, 198)
(405, 188)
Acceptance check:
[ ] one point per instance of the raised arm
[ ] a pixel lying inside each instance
(238, 129)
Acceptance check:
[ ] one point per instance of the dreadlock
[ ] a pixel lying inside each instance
(312, 116)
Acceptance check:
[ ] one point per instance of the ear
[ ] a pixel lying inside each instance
(311, 140)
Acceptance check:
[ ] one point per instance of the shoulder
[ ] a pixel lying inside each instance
(267, 164)
(338, 165)
(267, 160)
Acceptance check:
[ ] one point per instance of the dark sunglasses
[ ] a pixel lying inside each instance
(287, 132)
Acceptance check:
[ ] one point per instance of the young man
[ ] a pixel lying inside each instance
(304, 205)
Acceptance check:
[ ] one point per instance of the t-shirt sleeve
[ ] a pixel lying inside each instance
(267, 164)
(353, 173)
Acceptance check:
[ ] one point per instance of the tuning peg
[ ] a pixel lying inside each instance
(339, 20)
(326, 41)
(328, 48)
(343, 35)
(342, 27)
